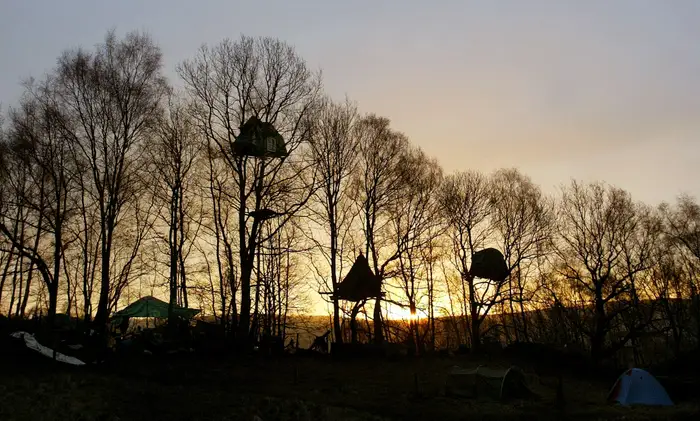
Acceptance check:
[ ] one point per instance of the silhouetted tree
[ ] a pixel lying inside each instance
(173, 154)
(681, 224)
(466, 205)
(223, 226)
(377, 182)
(604, 245)
(113, 94)
(39, 141)
(522, 220)
(334, 151)
(230, 83)
(413, 216)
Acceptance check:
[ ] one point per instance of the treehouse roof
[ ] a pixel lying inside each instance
(489, 264)
(360, 283)
(259, 139)
(152, 307)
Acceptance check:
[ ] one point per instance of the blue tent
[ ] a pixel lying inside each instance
(637, 387)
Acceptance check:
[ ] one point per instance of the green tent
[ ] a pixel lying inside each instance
(152, 307)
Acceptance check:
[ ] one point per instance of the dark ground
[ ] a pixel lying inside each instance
(290, 388)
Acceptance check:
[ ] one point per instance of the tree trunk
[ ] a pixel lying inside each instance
(466, 304)
(246, 260)
(100, 322)
(173, 278)
(378, 322)
(19, 266)
(57, 253)
(353, 321)
(88, 273)
(521, 301)
(337, 332)
(27, 289)
(475, 330)
(598, 337)
(181, 246)
(5, 271)
(244, 316)
(255, 322)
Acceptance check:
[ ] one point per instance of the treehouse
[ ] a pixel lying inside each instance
(264, 214)
(489, 264)
(360, 283)
(259, 139)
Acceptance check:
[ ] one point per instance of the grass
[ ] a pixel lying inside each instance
(188, 388)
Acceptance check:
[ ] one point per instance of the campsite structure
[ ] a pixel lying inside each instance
(151, 307)
(638, 387)
(359, 285)
(489, 263)
(362, 284)
(484, 382)
(260, 140)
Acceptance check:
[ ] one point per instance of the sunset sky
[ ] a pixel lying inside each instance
(560, 89)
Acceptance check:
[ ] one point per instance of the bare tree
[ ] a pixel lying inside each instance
(15, 214)
(38, 133)
(264, 78)
(282, 290)
(113, 94)
(604, 244)
(173, 156)
(682, 264)
(414, 217)
(378, 180)
(334, 151)
(466, 205)
(222, 225)
(432, 255)
(523, 222)
(138, 218)
(85, 257)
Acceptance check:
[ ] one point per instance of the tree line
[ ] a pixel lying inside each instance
(114, 185)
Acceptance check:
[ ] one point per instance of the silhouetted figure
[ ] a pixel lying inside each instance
(124, 325)
(320, 343)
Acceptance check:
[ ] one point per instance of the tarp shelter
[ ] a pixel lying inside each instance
(152, 307)
(360, 283)
(484, 382)
(637, 387)
(489, 264)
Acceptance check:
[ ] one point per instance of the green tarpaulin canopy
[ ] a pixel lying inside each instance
(152, 307)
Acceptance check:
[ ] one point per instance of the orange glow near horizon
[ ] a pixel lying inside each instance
(395, 312)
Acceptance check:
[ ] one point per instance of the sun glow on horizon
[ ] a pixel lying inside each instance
(395, 312)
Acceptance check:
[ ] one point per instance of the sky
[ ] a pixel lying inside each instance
(594, 90)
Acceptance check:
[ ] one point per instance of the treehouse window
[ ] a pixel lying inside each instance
(271, 144)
